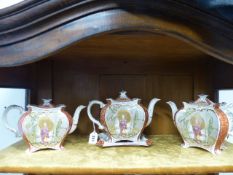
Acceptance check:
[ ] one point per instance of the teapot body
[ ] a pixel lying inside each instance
(45, 128)
(202, 124)
(124, 121)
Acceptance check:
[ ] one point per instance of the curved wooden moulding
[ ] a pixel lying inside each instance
(34, 29)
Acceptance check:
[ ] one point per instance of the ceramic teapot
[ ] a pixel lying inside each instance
(123, 121)
(44, 126)
(202, 124)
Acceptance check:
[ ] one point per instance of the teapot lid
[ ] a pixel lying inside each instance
(46, 103)
(123, 96)
(203, 100)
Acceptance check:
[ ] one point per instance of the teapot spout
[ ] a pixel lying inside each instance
(151, 109)
(76, 118)
(173, 108)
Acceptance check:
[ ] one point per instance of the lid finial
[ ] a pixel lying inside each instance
(46, 102)
(203, 97)
(123, 94)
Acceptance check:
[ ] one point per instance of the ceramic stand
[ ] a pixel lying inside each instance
(143, 141)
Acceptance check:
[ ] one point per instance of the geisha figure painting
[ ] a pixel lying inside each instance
(46, 126)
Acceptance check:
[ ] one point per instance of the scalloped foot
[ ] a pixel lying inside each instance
(217, 151)
(58, 147)
(32, 149)
(185, 145)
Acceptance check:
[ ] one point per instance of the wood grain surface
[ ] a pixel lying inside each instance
(32, 31)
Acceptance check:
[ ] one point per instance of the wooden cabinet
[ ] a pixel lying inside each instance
(94, 49)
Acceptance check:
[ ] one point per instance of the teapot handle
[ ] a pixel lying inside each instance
(5, 118)
(91, 103)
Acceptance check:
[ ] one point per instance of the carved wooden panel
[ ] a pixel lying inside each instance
(33, 30)
(168, 87)
(111, 85)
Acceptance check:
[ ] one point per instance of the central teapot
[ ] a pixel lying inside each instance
(123, 121)
(44, 126)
